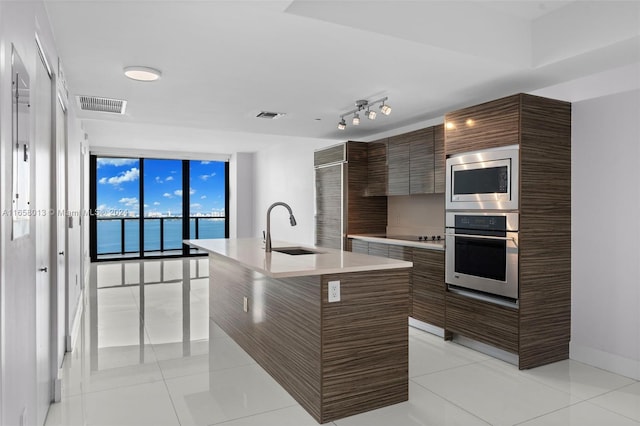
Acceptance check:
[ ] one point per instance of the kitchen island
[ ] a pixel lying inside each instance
(335, 358)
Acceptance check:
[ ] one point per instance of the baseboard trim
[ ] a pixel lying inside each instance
(605, 360)
(425, 326)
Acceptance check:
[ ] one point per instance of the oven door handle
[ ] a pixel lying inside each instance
(483, 237)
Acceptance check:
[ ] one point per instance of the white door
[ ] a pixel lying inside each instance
(42, 161)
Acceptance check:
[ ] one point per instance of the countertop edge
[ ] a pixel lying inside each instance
(385, 265)
(394, 242)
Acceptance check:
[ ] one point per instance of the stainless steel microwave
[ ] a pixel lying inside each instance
(483, 180)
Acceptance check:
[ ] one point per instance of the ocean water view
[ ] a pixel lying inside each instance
(109, 238)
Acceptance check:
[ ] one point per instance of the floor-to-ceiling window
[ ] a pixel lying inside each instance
(145, 207)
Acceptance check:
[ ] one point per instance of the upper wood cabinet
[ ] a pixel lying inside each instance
(416, 162)
(439, 159)
(488, 125)
(377, 168)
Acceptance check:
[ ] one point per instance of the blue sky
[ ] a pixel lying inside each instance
(119, 180)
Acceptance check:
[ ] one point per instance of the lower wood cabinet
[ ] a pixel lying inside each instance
(483, 321)
(426, 281)
(428, 286)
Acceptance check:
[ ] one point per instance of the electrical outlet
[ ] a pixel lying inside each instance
(334, 291)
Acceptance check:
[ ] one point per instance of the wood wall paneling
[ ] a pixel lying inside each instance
(488, 125)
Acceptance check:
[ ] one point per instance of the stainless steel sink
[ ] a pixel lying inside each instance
(296, 251)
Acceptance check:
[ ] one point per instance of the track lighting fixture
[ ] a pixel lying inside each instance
(362, 105)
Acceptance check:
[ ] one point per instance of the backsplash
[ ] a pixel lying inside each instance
(415, 215)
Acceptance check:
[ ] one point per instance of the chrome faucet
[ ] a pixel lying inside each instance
(292, 220)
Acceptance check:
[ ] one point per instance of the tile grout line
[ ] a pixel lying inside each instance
(253, 415)
(453, 403)
(609, 409)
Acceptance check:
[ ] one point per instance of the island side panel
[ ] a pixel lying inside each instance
(280, 331)
(365, 342)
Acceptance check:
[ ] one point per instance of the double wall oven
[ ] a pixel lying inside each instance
(482, 224)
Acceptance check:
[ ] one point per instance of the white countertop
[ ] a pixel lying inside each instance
(250, 253)
(374, 238)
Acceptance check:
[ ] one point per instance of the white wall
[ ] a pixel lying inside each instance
(241, 195)
(606, 233)
(285, 173)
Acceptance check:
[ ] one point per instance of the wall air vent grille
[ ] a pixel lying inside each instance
(270, 115)
(93, 103)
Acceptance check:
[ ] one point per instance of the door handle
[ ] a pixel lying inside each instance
(43, 269)
(61, 253)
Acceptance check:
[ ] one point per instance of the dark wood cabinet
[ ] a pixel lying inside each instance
(398, 152)
(377, 168)
(428, 286)
(341, 202)
(488, 125)
(439, 170)
(421, 162)
(539, 330)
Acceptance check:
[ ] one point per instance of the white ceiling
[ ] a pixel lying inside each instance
(225, 61)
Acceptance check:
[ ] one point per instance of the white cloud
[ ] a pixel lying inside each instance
(196, 205)
(146, 206)
(169, 178)
(158, 180)
(167, 195)
(128, 176)
(129, 201)
(156, 203)
(205, 162)
(192, 191)
(203, 197)
(178, 192)
(116, 161)
(206, 177)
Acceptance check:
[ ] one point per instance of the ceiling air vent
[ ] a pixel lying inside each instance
(270, 115)
(93, 103)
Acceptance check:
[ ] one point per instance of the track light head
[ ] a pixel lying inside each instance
(385, 109)
(371, 115)
(342, 125)
(356, 119)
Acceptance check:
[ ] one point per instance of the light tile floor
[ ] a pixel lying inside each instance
(148, 355)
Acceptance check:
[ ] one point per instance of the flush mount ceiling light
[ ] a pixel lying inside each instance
(362, 105)
(142, 73)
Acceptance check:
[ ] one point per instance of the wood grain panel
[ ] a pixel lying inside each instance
(359, 246)
(398, 157)
(377, 168)
(329, 155)
(488, 125)
(379, 249)
(406, 254)
(364, 215)
(486, 322)
(281, 344)
(329, 227)
(421, 161)
(439, 170)
(545, 231)
(365, 354)
(428, 286)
